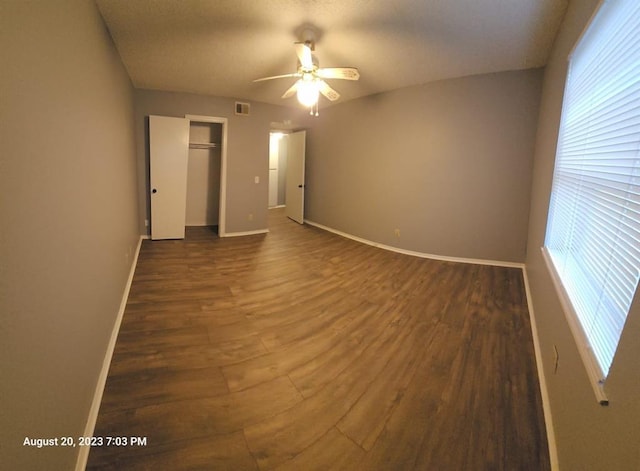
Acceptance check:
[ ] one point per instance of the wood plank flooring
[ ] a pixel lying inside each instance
(303, 350)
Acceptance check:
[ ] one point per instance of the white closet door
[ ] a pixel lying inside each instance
(169, 154)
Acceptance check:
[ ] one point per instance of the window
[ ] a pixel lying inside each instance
(592, 244)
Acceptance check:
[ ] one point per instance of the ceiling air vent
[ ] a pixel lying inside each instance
(242, 108)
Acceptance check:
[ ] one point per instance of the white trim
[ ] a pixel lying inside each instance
(246, 233)
(588, 359)
(544, 392)
(83, 453)
(222, 210)
(475, 261)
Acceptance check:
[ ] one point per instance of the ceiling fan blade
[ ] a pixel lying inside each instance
(277, 77)
(291, 91)
(304, 55)
(327, 91)
(346, 73)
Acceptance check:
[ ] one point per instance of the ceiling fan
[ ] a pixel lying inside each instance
(310, 83)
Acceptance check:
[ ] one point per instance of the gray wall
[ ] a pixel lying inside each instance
(68, 220)
(448, 163)
(589, 436)
(247, 150)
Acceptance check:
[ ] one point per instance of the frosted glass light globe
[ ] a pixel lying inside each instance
(308, 92)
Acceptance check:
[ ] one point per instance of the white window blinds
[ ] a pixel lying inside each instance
(593, 229)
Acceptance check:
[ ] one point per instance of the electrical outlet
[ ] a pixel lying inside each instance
(250, 217)
(146, 223)
(397, 232)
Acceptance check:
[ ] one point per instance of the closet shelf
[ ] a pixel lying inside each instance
(202, 145)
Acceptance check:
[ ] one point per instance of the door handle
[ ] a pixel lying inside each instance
(300, 186)
(154, 191)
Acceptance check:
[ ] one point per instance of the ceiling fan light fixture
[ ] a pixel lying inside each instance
(308, 91)
(311, 84)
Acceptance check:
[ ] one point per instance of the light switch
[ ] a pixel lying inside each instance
(256, 179)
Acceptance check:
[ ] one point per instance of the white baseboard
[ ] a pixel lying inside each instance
(544, 392)
(445, 258)
(83, 454)
(246, 233)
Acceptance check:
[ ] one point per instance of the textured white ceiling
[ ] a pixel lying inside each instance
(217, 47)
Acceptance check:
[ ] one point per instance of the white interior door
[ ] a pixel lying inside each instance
(295, 176)
(169, 156)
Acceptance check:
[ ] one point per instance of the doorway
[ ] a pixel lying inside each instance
(203, 175)
(277, 169)
(213, 181)
(286, 173)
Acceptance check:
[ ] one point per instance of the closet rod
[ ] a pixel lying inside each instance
(202, 145)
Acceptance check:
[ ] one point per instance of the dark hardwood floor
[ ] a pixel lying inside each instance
(303, 350)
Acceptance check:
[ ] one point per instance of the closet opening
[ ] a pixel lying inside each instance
(187, 174)
(204, 176)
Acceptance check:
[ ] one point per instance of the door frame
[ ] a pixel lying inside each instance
(222, 210)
